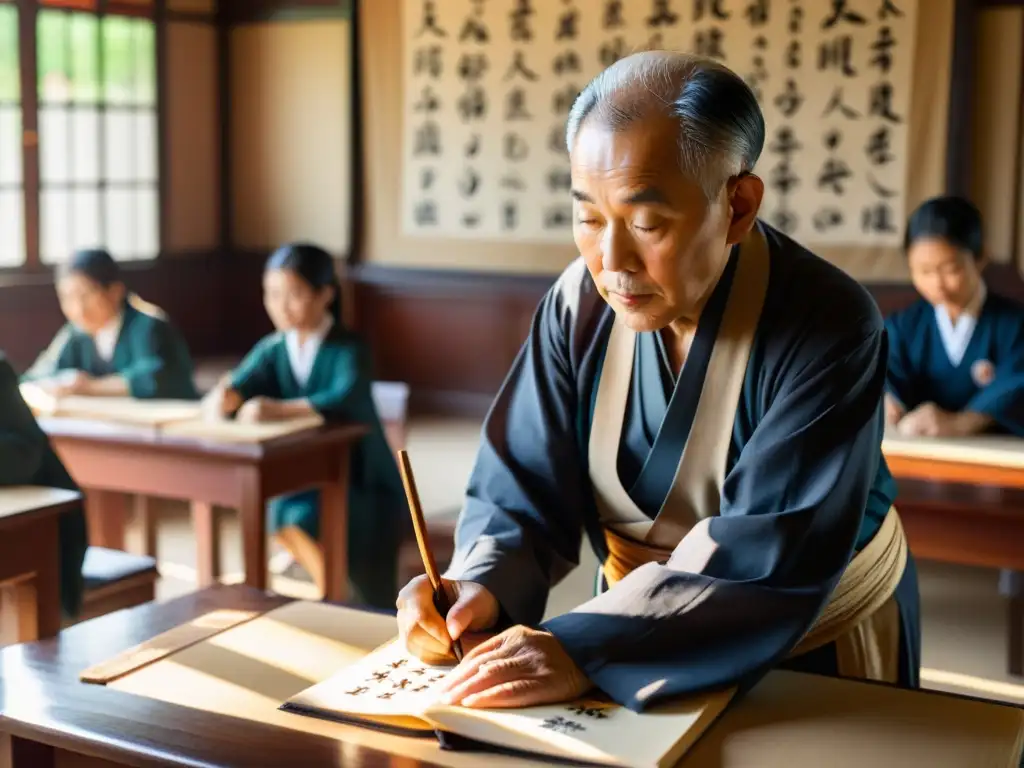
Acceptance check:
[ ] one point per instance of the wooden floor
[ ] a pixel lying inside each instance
(964, 617)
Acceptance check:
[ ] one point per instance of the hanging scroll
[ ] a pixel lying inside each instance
(488, 85)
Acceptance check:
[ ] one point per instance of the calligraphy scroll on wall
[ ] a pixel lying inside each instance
(488, 85)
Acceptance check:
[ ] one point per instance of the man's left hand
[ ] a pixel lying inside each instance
(520, 667)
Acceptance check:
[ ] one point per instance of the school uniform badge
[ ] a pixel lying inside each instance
(983, 372)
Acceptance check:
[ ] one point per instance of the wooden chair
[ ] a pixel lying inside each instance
(115, 580)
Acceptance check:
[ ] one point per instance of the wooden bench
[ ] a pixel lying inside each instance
(115, 580)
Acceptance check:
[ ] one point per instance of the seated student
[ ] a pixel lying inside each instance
(26, 458)
(314, 365)
(114, 343)
(956, 357)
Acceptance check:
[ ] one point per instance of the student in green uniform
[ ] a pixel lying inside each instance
(313, 364)
(114, 343)
(26, 458)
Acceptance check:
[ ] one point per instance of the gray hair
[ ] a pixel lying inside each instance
(721, 126)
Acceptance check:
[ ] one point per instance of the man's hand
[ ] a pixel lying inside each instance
(425, 633)
(929, 420)
(521, 667)
(893, 411)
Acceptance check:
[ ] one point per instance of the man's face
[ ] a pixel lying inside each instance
(653, 243)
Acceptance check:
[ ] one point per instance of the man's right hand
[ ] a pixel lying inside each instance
(429, 636)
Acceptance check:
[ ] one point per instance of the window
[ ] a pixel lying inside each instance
(12, 218)
(97, 134)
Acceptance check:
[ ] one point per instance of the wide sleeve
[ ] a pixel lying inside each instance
(521, 526)
(254, 376)
(58, 356)
(899, 379)
(743, 587)
(155, 371)
(1003, 399)
(22, 447)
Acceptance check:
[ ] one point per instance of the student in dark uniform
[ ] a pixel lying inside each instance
(114, 343)
(26, 458)
(956, 356)
(313, 364)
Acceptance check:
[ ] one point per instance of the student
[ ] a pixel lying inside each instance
(312, 364)
(114, 343)
(956, 356)
(26, 458)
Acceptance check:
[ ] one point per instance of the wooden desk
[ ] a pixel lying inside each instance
(49, 718)
(108, 460)
(30, 560)
(962, 501)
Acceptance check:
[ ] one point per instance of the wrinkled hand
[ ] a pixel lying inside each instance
(928, 420)
(256, 410)
(893, 411)
(426, 634)
(520, 667)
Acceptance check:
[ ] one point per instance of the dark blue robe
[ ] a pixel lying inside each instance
(806, 485)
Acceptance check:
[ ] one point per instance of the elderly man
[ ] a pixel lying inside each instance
(703, 397)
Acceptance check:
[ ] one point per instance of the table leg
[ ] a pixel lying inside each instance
(22, 753)
(32, 603)
(252, 515)
(204, 519)
(1016, 635)
(106, 515)
(334, 535)
(145, 518)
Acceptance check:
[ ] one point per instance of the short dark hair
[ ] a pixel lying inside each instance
(313, 265)
(953, 219)
(94, 263)
(721, 125)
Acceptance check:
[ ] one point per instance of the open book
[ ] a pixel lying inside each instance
(119, 410)
(392, 690)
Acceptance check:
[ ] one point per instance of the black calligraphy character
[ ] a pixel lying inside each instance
(518, 67)
(556, 140)
(889, 9)
(757, 13)
(832, 174)
(429, 102)
(760, 74)
(654, 43)
(827, 218)
(836, 102)
(613, 15)
(422, 688)
(510, 216)
(566, 62)
(878, 147)
(558, 216)
(883, 50)
(562, 725)
(469, 184)
(512, 182)
(357, 691)
(521, 32)
(474, 29)
(472, 105)
(793, 54)
(428, 139)
(789, 100)
(709, 43)
(612, 52)
(836, 53)
(841, 13)
(878, 189)
(380, 677)
(582, 709)
(832, 139)
(568, 25)
(701, 6)
(784, 220)
(427, 177)
(470, 220)
(761, 43)
(796, 19)
(881, 102)
(385, 695)
(419, 671)
(515, 105)
(785, 142)
(515, 147)
(428, 60)
(562, 101)
(878, 218)
(430, 20)
(401, 685)
(471, 66)
(559, 180)
(472, 149)
(437, 678)
(662, 14)
(782, 179)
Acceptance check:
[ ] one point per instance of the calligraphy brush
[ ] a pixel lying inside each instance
(441, 601)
